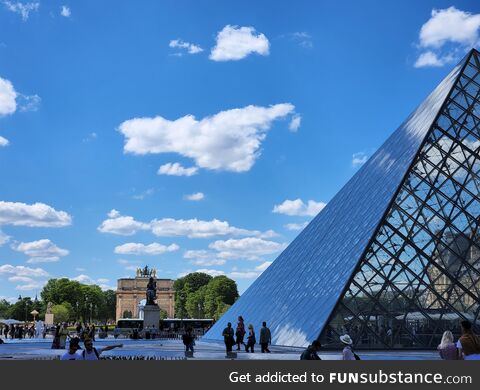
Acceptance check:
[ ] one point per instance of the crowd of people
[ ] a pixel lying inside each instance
(19, 331)
(237, 337)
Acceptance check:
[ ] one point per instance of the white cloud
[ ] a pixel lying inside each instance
(203, 258)
(235, 43)
(144, 194)
(211, 272)
(195, 197)
(20, 279)
(28, 102)
(447, 32)
(176, 169)
(3, 141)
(90, 137)
(121, 225)
(22, 9)
(189, 47)
(229, 140)
(298, 208)
(303, 38)
(250, 248)
(429, 58)
(243, 274)
(155, 248)
(295, 123)
(194, 228)
(450, 25)
(35, 285)
(80, 269)
(34, 215)
(358, 159)
(3, 238)
(296, 226)
(9, 299)
(21, 270)
(262, 267)
(8, 95)
(101, 282)
(65, 11)
(41, 251)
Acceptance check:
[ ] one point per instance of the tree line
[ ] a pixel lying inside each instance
(71, 301)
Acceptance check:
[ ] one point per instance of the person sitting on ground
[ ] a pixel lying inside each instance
(188, 340)
(347, 353)
(251, 340)
(71, 354)
(311, 353)
(447, 348)
(265, 337)
(468, 343)
(92, 353)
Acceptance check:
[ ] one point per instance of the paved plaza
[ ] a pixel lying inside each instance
(173, 350)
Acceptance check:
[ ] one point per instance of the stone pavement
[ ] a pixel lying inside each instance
(173, 349)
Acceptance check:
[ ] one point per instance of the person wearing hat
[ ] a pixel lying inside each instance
(347, 353)
(311, 352)
(71, 354)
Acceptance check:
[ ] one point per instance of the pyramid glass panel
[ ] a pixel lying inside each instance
(394, 258)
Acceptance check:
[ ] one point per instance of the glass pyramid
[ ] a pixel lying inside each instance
(394, 258)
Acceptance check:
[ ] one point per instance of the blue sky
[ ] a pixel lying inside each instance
(196, 135)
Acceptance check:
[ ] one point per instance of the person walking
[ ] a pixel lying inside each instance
(447, 347)
(228, 337)
(63, 334)
(347, 352)
(311, 353)
(251, 340)
(188, 340)
(92, 353)
(56, 338)
(265, 338)
(468, 343)
(240, 332)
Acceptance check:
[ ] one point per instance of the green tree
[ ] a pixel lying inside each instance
(4, 308)
(107, 310)
(64, 290)
(195, 304)
(21, 309)
(186, 286)
(127, 314)
(221, 292)
(60, 313)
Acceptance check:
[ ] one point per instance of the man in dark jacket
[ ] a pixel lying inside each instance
(228, 337)
(311, 352)
(265, 337)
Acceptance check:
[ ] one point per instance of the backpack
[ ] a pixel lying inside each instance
(94, 350)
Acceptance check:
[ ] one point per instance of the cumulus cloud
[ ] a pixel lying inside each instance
(23, 9)
(296, 226)
(195, 197)
(195, 228)
(358, 159)
(447, 32)
(65, 11)
(176, 169)
(3, 238)
(3, 141)
(262, 267)
(41, 251)
(155, 248)
(295, 123)
(32, 215)
(235, 43)
(20, 270)
(298, 208)
(203, 258)
(190, 48)
(229, 140)
(121, 225)
(101, 282)
(8, 96)
(250, 248)
(211, 272)
(35, 285)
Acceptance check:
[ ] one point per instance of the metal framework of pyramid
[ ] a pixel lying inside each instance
(394, 258)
